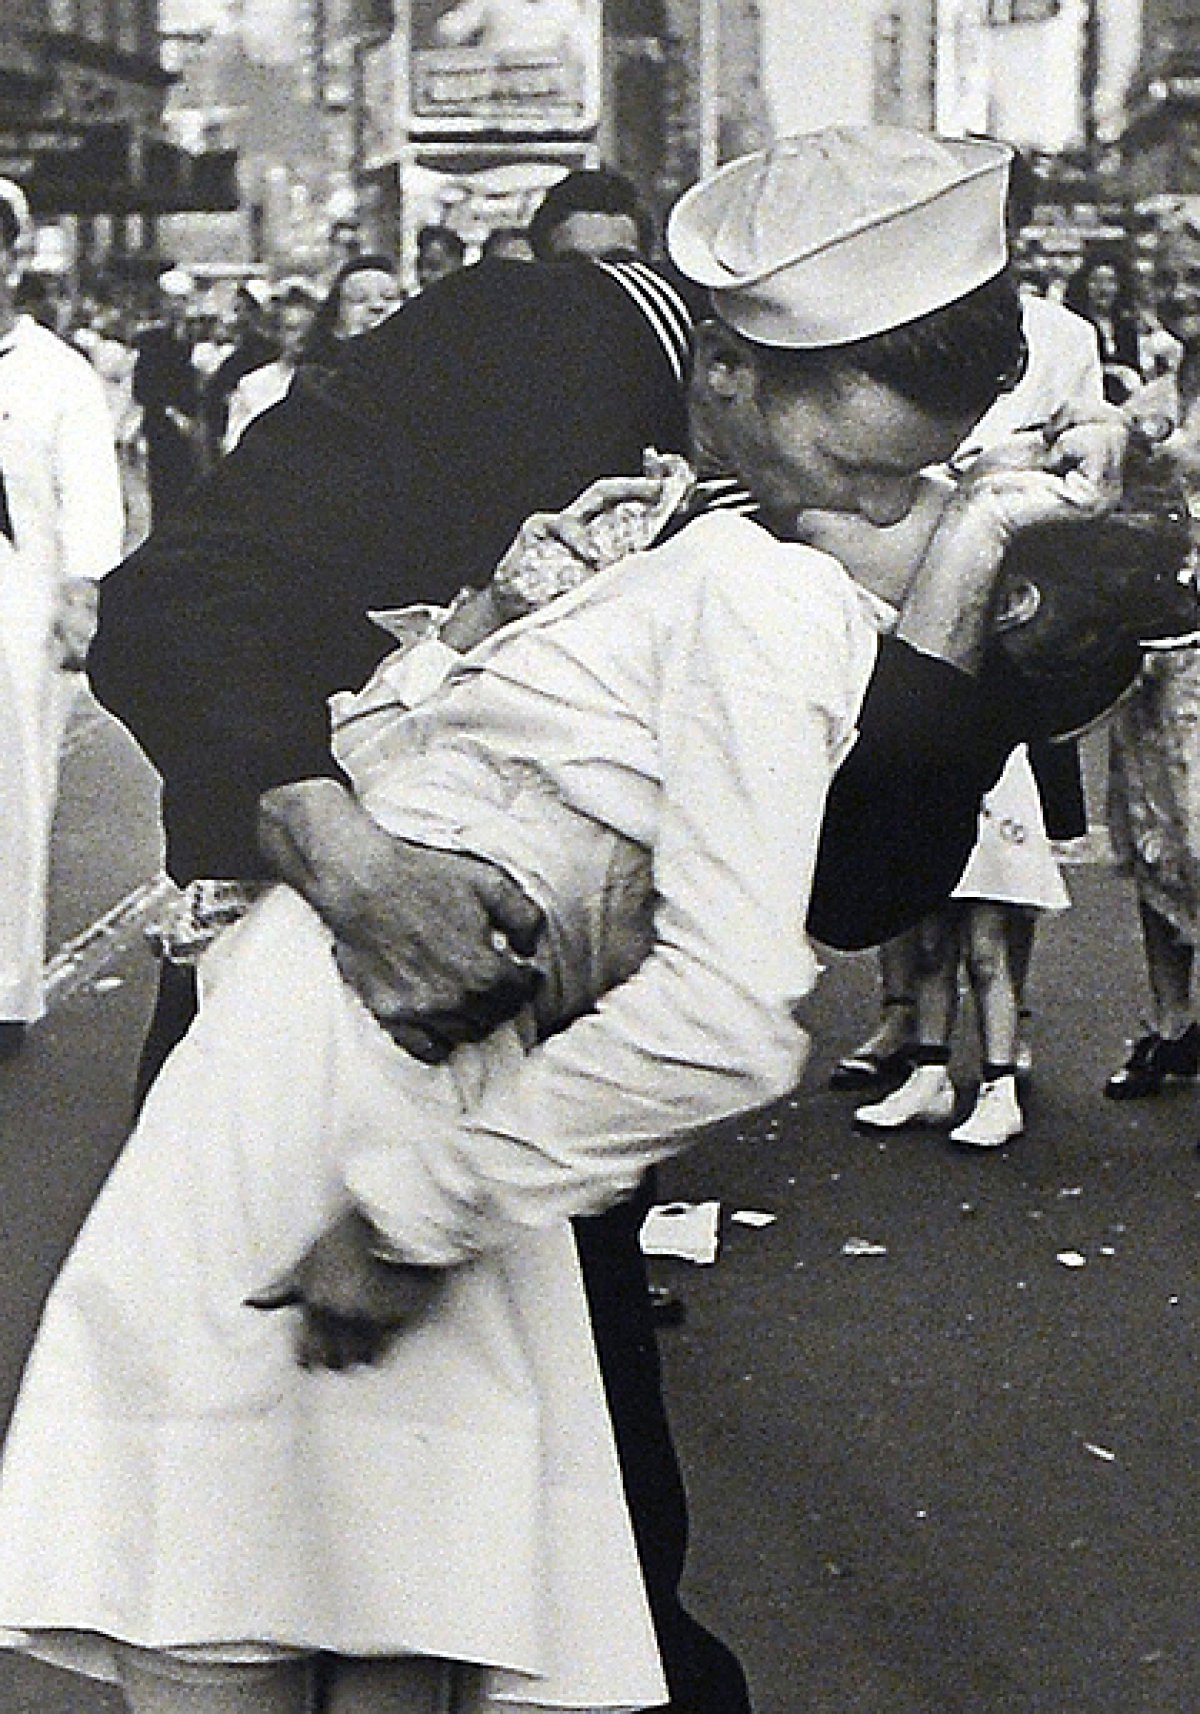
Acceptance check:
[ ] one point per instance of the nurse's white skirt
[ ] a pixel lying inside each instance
(173, 1479)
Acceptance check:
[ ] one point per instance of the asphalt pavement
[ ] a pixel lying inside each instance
(954, 1474)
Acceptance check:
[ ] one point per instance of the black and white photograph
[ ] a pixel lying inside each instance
(599, 856)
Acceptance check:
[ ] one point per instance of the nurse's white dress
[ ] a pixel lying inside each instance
(172, 1478)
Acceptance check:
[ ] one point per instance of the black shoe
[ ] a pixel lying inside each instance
(1152, 1060)
(868, 1071)
(12, 1038)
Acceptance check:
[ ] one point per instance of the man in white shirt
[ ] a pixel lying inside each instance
(61, 528)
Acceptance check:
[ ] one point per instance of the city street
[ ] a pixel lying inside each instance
(950, 1475)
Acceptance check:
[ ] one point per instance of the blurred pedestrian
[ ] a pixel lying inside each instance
(1011, 874)
(364, 292)
(592, 212)
(167, 387)
(440, 251)
(104, 343)
(61, 528)
(254, 343)
(1102, 291)
(509, 243)
(345, 242)
(257, 391)
(1154, 789)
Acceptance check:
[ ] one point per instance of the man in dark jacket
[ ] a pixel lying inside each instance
(167, 387)
(253, 346)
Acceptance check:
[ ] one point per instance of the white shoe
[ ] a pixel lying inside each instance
(925, 1098)
(996, 1119)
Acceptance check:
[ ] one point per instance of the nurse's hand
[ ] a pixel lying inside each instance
(352, 1306)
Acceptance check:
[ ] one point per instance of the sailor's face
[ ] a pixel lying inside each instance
(847, 444)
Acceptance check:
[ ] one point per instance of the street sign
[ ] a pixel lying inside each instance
(504, 66)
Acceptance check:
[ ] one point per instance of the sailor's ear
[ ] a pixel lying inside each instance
(722, 361)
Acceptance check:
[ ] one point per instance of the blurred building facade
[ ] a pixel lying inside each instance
(372, 118)
(82, 96)
(1103, 94)
(245, 133)
(467, 124)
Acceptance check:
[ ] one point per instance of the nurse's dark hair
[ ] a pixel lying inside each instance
(952, 362)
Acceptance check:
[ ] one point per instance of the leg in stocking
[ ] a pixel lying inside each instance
(1169, 971)
(997, 1116)
(935, 977)
(415, 1686)
(163, 1684)
(992, 982)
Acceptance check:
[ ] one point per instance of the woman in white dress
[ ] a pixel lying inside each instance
(1012, 870)
(188, 1510)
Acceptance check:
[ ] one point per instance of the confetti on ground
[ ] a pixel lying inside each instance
(752, 1217)
(687, 1230)
(1100, 1452)
(1071, 1259)
(106, 984)
(863, 1247)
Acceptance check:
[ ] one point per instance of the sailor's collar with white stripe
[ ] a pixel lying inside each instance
(724, 494)
(671, 321)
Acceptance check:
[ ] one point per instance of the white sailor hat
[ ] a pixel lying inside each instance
(176, 283)
(258, 291)
(833, 235)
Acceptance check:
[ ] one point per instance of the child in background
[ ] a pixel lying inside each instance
(1012, 873)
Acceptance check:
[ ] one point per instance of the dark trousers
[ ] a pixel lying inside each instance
(703, 1675)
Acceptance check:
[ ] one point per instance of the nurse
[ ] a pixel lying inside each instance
(61, 528)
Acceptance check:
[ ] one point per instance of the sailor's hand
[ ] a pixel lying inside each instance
(1087, 453)
(1016, 498)
(436, 943)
